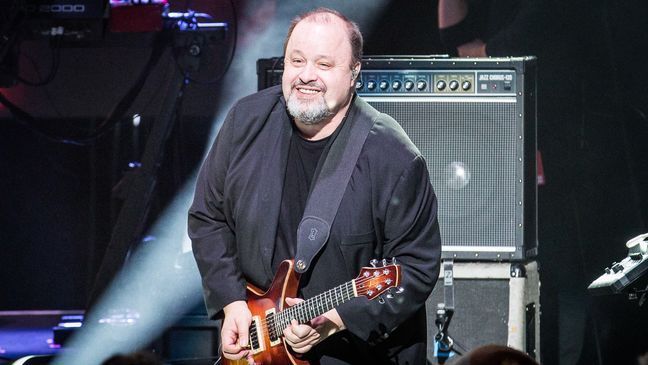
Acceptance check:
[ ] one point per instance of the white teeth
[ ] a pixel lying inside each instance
(308, 91)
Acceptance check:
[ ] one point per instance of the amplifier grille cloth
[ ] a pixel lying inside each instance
(470, 149)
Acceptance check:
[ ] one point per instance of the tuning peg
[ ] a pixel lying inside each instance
(400, 290)
(384, 262)
(373, 262)
(390, 295)
(393, 260)
(381, 300)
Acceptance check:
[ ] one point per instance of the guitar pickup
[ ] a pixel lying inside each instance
(275, 338)
(256, 338)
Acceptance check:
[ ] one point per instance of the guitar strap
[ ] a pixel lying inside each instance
(331, 182)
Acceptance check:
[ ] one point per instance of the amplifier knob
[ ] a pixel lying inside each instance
(359, 84)
(384, 84)
(396, 84)
(371, 84)
(440, 85)
(409, 84)
(421, 85)
(454, 85)
(466, 85)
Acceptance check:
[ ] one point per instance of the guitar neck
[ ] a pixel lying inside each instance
(315, 306)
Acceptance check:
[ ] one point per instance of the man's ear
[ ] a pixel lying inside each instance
(355, 71)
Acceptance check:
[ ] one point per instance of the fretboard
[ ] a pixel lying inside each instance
(311, 308)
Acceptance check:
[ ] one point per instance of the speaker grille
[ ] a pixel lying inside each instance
(470, 149)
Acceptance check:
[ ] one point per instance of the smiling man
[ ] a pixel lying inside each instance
(274, 150)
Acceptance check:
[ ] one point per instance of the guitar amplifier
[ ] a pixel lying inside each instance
(493, 302)
(474, 121)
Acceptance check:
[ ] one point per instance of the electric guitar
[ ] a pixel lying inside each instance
(271, 315)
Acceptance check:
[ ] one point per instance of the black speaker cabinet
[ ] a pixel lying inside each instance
(192, 340)
(494, 303)
(474, 121)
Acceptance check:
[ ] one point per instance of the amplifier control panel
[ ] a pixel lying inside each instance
(437, 82)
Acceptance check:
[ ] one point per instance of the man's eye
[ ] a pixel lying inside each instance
(297, 61)
(325, 65)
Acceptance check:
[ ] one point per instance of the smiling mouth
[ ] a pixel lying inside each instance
(308, 91)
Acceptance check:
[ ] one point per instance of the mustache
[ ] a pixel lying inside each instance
(313, 83)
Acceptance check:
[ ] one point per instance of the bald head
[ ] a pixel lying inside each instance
(324, 16)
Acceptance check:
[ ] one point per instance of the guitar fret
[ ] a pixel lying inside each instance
(337, 301)
(303, 314)
(322, 306)
(308, 308)
(330, 302)
(348, 292)
(337, 295)
(327, 301)
(312, 307)
(290, 314)
(299, 314)
(308, 311)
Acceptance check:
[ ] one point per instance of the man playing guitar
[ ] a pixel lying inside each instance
(252, 193)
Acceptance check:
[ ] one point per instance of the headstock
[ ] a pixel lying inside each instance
(376, 280)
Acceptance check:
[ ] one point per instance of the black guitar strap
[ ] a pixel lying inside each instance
(330, 184)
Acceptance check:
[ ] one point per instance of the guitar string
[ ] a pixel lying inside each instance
(344, 288)
(358, 281)
(360, 291)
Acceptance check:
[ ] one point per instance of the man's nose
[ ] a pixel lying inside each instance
(308, 73)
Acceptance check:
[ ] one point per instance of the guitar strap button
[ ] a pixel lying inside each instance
(301, 265)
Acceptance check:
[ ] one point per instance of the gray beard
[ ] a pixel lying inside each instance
(309, 114)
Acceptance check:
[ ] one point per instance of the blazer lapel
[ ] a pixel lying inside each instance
(272, 181)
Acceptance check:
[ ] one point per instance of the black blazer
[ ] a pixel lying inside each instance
(388, 210)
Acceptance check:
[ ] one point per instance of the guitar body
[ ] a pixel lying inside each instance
(285, 284)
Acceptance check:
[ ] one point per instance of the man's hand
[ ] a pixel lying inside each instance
(235, 331)
(302, 337)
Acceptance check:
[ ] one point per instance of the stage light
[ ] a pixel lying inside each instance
(151, 292)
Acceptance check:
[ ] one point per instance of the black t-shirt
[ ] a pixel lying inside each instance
(303, 156)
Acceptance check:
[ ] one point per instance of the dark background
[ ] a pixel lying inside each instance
(59, 201)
